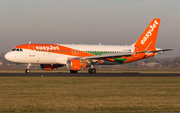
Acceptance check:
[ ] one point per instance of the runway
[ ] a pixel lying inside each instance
(92, 75)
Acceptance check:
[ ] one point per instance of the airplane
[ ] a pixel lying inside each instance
(78, 57)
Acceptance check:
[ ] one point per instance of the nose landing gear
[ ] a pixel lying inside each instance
(28, 70)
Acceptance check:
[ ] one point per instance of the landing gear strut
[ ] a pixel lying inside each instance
(28, 70)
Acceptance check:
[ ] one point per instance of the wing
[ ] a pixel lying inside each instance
(104, 56)
(117, 55)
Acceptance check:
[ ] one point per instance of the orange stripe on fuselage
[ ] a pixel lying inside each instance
(54, 48)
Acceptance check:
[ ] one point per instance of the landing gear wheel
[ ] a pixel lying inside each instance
(28, 68)
(73, 71)
(92, 70)
(27, 71)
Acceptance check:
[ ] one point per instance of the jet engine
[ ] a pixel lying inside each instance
(50, 66)
(76, 64)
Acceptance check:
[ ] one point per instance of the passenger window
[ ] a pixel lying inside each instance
(21, 50)
(13, 49)
(17, 49)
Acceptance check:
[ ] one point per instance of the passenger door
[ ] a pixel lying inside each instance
(31, 51)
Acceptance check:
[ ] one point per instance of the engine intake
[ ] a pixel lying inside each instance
(76, 64)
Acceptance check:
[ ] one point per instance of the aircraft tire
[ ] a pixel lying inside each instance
(27, 71)
(92, 70)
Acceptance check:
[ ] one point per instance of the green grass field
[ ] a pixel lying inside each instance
(89, 94)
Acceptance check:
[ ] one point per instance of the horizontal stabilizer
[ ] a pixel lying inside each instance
(156, 51)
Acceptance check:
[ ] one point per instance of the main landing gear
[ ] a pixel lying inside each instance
(28, 70)
(92, 70)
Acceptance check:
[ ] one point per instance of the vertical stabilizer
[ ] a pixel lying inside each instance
(148, 38)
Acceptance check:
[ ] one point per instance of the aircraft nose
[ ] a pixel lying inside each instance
(8, 56)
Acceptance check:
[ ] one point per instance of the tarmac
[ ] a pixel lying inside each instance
(91, 75)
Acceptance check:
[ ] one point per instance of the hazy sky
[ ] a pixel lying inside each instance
(115, 22)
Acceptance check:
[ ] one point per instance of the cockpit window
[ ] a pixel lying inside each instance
(18, 49)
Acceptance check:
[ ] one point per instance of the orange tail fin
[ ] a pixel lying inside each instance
(148, 38)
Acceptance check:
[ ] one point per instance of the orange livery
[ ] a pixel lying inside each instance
(79, 57)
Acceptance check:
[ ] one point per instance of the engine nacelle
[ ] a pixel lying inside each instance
(50, 66)
(76, 64)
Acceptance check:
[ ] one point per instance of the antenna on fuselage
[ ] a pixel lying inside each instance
(29, 42)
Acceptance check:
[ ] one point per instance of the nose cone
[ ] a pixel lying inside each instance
(8, 56)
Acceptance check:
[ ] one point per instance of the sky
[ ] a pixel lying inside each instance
(109, 22)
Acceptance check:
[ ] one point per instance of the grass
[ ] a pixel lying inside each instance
(89, 94)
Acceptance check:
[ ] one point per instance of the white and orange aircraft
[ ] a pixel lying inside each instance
(78, 57)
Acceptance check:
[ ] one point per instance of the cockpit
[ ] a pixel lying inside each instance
(17, 49)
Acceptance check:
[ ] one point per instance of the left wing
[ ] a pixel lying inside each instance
(116, 55)
(104, 56)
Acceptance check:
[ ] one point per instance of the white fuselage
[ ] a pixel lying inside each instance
(44, 57)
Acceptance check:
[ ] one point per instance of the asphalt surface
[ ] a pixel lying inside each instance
(93, 75)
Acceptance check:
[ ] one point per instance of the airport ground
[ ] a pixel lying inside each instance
(100, 69)
(40, 92)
